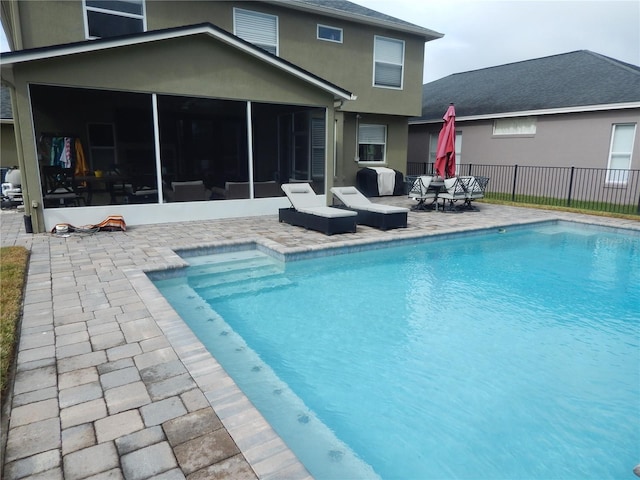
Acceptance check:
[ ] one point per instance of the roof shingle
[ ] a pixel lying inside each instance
(574, 79)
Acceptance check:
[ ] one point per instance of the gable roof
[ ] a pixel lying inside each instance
(7, 60)
(357, 13)
(569, 82)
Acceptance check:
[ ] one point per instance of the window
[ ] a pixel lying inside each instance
(620, 151)
(372, 140)
(433, 147)
(388, 62)
(110, 18)
(331, 34)
(258, 28)
(514, 126)
(102, 146)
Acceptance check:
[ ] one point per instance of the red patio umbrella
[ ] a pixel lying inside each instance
(446, 153)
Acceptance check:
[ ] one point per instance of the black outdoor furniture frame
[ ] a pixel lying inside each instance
(326, 225)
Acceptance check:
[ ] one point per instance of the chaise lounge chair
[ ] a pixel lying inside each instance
(372, 214)
(308, 210)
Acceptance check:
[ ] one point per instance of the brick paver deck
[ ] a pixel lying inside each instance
(110, 383)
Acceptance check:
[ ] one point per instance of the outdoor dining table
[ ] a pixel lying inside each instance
(104, 183)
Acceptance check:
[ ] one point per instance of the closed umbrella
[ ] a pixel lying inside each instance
(446, 152)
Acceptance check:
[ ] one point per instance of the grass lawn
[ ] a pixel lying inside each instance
(13, 267)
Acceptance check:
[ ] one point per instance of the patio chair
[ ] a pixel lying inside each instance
(60, 187)
(475, 187)
(308, 210)
(188, 191)
(372, 214)
(421, 193)
(454, 191)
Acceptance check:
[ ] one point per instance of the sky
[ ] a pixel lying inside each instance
(486, 33)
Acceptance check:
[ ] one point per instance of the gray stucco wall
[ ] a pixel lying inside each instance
(563, 140)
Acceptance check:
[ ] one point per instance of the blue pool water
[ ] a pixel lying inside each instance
(508, 355)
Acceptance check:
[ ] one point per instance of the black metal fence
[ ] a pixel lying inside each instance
(598, 189)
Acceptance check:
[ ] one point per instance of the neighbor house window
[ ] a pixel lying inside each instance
(258, 28)
(514, 126)
(620, 151)
(372, 142)
(388, 62)
(433, 147)
(110, 18)
(331, 34)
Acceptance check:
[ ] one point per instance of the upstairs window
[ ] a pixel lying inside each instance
(372, 142)
(258, 28)
(388, 62)
(514, 126)
(620, 151)
(330, 34)
(111, 18)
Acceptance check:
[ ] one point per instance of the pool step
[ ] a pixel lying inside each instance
(235, 273)
(246, 287)
(233, 269)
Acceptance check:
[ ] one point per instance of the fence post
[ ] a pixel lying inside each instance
(570, 186)
(515, 178)
(470, 168)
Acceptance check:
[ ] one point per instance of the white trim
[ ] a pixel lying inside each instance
(156, 145)
(249, 108)
(548, 111)
(149, 37)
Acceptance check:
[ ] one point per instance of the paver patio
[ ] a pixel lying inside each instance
(110, 383)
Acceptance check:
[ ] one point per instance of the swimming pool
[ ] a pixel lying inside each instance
(498, 355)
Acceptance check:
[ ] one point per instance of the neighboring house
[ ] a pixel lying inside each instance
(232, 95)
(8, 154)
(577, 109)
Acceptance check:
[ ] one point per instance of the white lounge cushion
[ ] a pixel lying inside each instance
(328, 212)
(379, 208)
(352, 198)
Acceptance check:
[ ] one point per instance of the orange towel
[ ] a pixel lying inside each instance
(111, 224)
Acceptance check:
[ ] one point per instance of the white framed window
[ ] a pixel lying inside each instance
(514, 126)
(330, 34)
(258, 28)
(372, 143)
(110, 18)
(433, 147)
(620, 152)
(388, 62)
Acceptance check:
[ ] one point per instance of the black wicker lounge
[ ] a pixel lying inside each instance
(372, 214)
(308, 210)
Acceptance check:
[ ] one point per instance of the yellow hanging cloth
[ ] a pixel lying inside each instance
(81, 162)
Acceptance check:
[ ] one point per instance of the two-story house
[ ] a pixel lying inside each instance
(187, 110)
